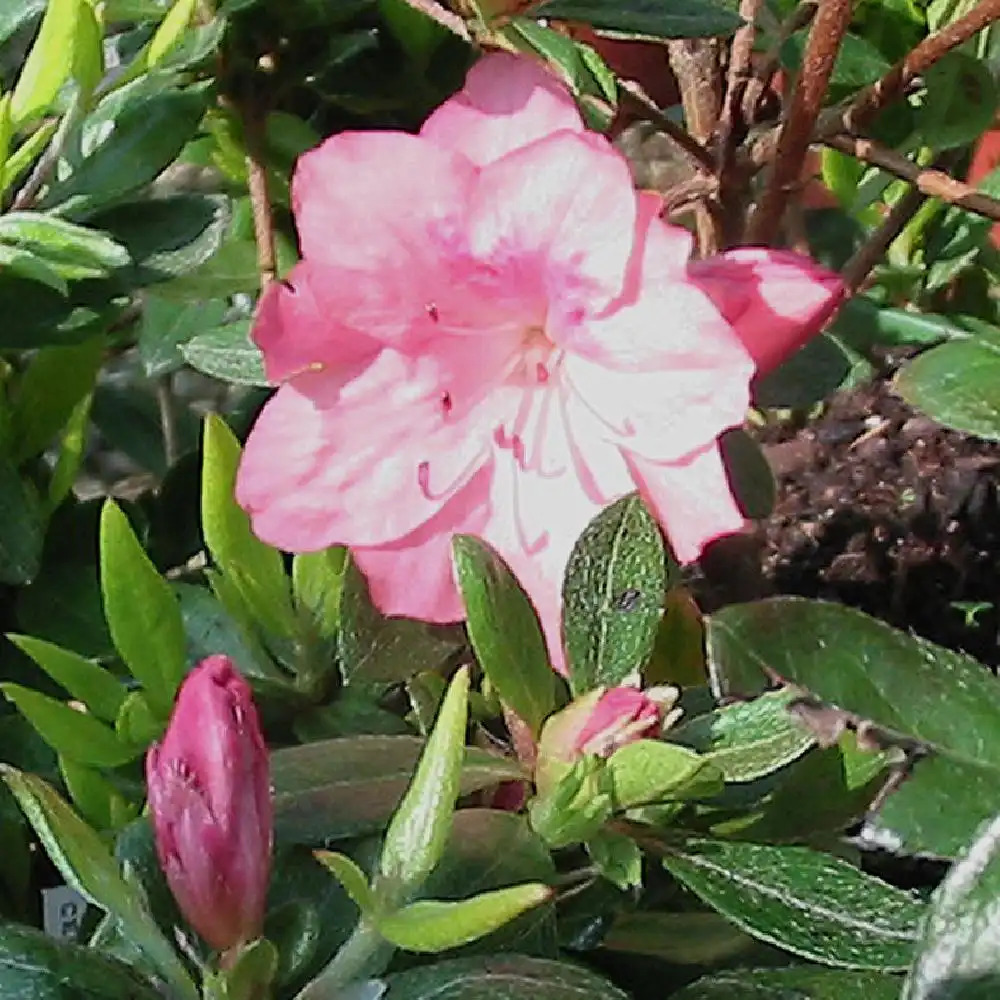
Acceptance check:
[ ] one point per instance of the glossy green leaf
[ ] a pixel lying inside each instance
(87, 865)
(418, 831)
(504, 630)
(499, 976)
(16, 14)
(254, 568)
(434, 926)
(617, 857)
(227, 353)
(808, 903)
(859, 62)
(792, 984)
(344, 787)
(77, 251)
(685, 938)
(959, 954)
(88, 53)
(142, 611)
(83, 679)
(34, 966)
(652, 771)
(96, 798)
(167, 325)
(22, 526)
(613, 595)
(317, 582)
(22, 264)
(49, 62)
(132, 139)
(901, 683)
(748, 473)
(957, 384)
(170, 30)
(76, 734)
(52, 386)
(808, 376)
(650, 18)
(748, 740)
(166, 238)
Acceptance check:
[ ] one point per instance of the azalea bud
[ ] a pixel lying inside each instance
(598, 724)
(210, 804)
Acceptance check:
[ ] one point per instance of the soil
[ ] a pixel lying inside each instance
(881, 509)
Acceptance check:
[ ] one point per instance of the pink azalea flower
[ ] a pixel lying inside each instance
(490, 331)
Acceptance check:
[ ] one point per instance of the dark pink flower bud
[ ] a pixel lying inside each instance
(621, 715)
(210, 804)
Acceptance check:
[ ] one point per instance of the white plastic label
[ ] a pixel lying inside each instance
(62, 912)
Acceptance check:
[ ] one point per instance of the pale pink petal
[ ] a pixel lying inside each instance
(413, 576)
(363, 457)
(378, 214)
(557, 216)
(507, 102)
(692, 499)
(775, 299)
(296, 332)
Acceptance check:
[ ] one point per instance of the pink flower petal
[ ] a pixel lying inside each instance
(413, 575)
(363, 457)
(296, 332)
(776, 300)
(559, 215)
(377, 214)
(507, 102)
(692, 499)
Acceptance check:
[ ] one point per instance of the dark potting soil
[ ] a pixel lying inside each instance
(881, 509)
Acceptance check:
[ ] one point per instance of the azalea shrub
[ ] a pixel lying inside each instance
(379, 391)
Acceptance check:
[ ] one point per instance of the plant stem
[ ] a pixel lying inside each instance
(645, 106)
(28, 192)
(825, 36)
(928, 180)
(260, 201)
(867, 256)
(168, 418)
(363, 955)
(876, 96)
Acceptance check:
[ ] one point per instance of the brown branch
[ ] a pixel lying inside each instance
(927, 180)
(646, 106)
(695, 63)
(263, 221)
(825, 36)
(733, 121)
(867, 256)
(875, 97)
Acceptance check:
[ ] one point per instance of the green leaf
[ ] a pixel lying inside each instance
(142, 612)
(811, 904)
(347, 872)
(504, 631)
(416, 836)
(15, 15)
(36, 966)
(22, 527)
(375, 648)
(901, 683)
(21, 264)
(131, 140)
(648, 771)
(685, 938)
(613, 595)
(86, 864)
(317, 582)
(858, 63)
(76, 251)
(434, 926)
(83, 679)
(960, 101)
(500, 976)
(339, 788)
(649, 18)
(97, 799)
(748, 740)
(166, 238)
(959, 953)
(168, 325)
(53, 385)
(75, 734)
(748, 472)
(617, 857)
(49, 63)
(791, 984)
(806, 378)
(227, 353)
(254, 568)
(957, 384)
